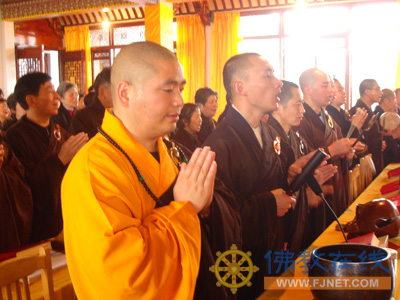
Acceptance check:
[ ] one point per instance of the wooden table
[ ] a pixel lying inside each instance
(331, 236)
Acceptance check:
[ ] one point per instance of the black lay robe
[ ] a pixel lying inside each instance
(372, 138)
(63, 118)
(37, 148)
(251, 172)
(88, 119)
(319, 135)
(185, 138)
(303, 224)
(208, 125)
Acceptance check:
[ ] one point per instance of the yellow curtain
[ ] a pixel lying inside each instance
(77, 38)
(225, 37)
(190, 50)
(398, 73)
(398, 62)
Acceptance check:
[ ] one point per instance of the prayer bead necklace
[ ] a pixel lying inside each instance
(139, 176)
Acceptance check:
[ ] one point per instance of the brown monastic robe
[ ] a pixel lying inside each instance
(251, 172)
(16, 207)
(320, 135)
(341, 117)
(303, 224)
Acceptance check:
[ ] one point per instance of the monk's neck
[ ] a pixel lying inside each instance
(286, 127)
(316, 108)
(249, 114)
(336, 106)
(366, 101)
(150, 145)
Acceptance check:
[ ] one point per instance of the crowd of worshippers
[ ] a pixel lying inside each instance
(266, 134)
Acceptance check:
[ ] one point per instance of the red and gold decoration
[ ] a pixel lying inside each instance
(12, 10)
(277, 145)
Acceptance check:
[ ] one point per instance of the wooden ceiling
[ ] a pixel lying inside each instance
(89, 12)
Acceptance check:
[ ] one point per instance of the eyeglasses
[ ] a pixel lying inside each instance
(376, 89)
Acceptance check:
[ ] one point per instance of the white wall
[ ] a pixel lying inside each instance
(7, 57)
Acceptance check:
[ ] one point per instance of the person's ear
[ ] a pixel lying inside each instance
(30, 100)
(307, 90)
(239, 87)
(101, 92)
(123, 89)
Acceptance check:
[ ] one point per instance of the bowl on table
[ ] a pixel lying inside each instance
(352, 272)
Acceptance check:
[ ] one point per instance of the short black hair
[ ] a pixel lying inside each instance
(29, 84)
(103, 78)
(286, 92)
(203, 94)
(236, 66)
(366, 84)
(11, 101)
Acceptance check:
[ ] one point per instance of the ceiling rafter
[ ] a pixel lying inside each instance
(88, 12)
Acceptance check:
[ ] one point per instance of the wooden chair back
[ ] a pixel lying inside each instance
(367, 170)
(354, 183)
(14, 274)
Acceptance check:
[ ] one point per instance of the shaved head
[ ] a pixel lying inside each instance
(136, 63)
(236, 68)
(317, 88)
(309, 77)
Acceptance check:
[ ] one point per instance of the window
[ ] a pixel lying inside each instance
(99, 38)
(327, 54)
(351, 42)
(106, 43)
(316, 22)
(261, 25)
(375, 44)
(128, 35)
(269, 48)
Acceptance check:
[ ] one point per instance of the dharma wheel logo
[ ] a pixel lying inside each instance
(236, 272)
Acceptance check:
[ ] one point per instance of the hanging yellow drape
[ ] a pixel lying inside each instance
(77, 38)
(190, 50)
(225, 37)
(398, 73)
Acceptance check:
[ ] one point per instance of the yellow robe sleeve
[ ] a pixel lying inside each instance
(118, 245)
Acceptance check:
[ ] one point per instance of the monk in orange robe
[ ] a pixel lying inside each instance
(121, 241)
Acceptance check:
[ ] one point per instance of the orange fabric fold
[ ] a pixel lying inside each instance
(118, 245)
